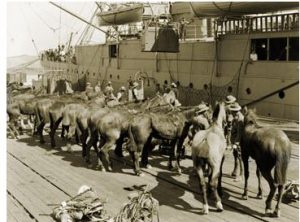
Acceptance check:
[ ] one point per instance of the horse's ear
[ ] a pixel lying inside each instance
(244, 110)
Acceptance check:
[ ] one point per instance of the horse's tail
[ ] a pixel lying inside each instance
(133, 143)
(281, 165)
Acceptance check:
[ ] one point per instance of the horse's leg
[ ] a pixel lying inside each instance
(53, 126)
(259, 194)
(105, 149)
(71, 133)
(77, 134)
(145, 153)
(118, 149)
(40, 129)
(220, 177)
(83, 139)
(202, 184)
(172, 154)
(246, 175)
(214, 185)
(64, 129)
(93, 139)
(135, 155)
(267, 175)
(235, 156)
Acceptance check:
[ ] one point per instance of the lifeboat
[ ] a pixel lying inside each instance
(121, 15)
(217, 9)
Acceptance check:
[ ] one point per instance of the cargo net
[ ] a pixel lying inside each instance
(189, 96)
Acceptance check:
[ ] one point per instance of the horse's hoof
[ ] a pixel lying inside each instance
(219, 206)
(148, 166)
(109, 169)
(140, 174)
(179, 171)
(205, 209)
(259, 196)
(268, 213)
(244, 197)
(276, 213)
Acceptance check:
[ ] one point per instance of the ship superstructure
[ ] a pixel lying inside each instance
(252, 56)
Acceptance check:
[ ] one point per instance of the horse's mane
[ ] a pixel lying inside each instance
(216, 112)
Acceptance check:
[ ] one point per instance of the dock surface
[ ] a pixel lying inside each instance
(39, 177)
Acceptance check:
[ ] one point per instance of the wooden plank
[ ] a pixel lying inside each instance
(15, 212)
(69, 171)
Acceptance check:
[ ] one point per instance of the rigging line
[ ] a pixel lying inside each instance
(59, 25)
(29, 32)
(43, 21)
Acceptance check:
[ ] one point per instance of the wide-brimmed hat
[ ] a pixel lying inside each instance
(202, 108)
(109, 83)
(123, 88)
(135, 84)
(230, 99)
(174, 85)
(235, 107)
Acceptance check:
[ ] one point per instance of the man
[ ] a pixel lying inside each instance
(98, 87)
(174, 89)
(109, 92)
(182, 28)
(89, 88)
(228, 101)
(236, 131)
(121, 95)
(134, 92)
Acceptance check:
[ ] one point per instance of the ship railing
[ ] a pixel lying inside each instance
(269, 23)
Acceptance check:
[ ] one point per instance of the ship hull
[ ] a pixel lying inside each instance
(195, 68)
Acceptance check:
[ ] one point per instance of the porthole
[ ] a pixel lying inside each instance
(205, 86)
(229, 89)
(110, 76)
(191, 85)
(166, 82)
(94, 74)
(248, 91)
(178, 83)
(281, 94)
(118, 77)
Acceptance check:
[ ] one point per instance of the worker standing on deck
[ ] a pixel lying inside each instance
(182, 28)
(121, 95)
(227, 130)
(109, 92)
(98, 88)
(236, 131)
(134, 92)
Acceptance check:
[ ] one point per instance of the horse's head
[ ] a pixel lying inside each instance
(250, 116)
(219, 113)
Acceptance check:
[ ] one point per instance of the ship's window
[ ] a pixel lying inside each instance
(110, 76)
(205, 86)
(113, 51)
(191, 85)
(118, 77)
(259, 47)
(166, 82)
(294, 49)
(281, 94)
(229, 89)
(248, 91)
(278, 48)
(94, 74)
(178, 83)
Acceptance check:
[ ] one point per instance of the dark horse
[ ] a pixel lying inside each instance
(270, 148)
(173, 126)
(208, 147)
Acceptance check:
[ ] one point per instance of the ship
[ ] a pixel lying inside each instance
(246, 49)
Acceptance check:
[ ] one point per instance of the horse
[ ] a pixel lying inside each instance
(270, 148)
(173, 126)
(208, 148)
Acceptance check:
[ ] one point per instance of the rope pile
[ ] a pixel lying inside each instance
(87, 206)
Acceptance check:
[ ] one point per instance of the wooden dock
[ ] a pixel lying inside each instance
(39, 177)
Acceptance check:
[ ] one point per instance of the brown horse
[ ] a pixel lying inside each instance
(270, 148)
(208, 147)
(173, 126)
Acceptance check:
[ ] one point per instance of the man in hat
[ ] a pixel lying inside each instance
(121, 95)
(236, 131)
(98, 88)
(89, 88)
(134, 92)
(227, 130)
(109, 92)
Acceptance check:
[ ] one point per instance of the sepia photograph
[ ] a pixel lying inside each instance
(151, 111)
